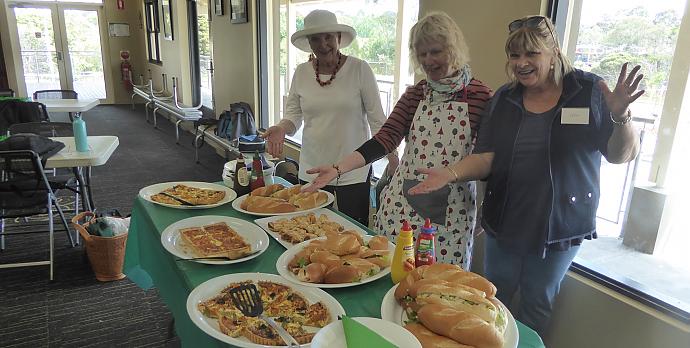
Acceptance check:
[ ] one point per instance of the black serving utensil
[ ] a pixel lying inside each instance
(247, 299)
(182, 201)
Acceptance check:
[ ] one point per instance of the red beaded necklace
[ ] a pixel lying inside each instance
(316, 71)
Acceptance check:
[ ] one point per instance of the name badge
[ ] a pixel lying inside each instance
(575, 116)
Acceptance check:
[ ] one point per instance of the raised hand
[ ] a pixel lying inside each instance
(326, 175)
(436, 178)
(624, 93)
(275, 137)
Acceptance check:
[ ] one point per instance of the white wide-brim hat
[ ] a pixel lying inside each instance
(322, 21)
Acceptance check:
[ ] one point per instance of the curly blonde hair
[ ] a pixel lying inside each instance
(439, 27)
(541, 38)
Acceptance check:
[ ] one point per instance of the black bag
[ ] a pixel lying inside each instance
(43, 146)
(235, 122)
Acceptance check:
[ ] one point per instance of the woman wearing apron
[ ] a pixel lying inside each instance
(439, 117)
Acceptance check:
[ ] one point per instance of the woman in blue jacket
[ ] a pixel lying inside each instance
(540, 149)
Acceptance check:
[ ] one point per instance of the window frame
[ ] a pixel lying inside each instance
(559, 12)
(152, 31)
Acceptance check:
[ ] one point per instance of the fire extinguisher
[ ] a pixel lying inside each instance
(126, 70)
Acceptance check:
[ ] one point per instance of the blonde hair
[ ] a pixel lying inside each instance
(439, 27)
(540, 39)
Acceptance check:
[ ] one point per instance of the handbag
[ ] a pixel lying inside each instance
(236, 122)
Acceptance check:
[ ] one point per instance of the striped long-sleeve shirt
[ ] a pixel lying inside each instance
(398, 124)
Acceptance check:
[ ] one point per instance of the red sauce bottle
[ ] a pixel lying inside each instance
(257, 173)
(425, 248)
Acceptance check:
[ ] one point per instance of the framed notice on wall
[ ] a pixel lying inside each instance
(238, 11)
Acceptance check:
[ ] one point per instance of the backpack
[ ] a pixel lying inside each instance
(236, 122)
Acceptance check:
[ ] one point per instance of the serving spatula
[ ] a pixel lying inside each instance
(247, 299)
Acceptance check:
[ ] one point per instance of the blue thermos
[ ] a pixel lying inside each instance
(79, 128)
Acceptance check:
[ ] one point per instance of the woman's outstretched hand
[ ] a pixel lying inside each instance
(436, 178)
(624, 93)
(275, 137)
(326, 175)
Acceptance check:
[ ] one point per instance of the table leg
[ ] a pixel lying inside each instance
(88, 187)
(83, 190)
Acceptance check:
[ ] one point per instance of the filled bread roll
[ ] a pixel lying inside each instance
(325, 257)
(342, 244)
(457, 296)
(267, 190)
(309, 200)
(260, 204)
(342, 274)
(365, 268)
(382, 258)
(429, 339)
(288, 192)
(378, 243)
(312, 273)
(460, 326)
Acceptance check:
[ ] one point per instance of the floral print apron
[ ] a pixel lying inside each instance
(440, 135)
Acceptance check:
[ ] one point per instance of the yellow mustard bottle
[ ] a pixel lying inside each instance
(403, 258)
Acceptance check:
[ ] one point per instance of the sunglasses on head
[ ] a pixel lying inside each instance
(530, 22)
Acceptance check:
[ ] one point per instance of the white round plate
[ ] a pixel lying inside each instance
(151, 190)
(236, 205)
(284, 260)
(252, 234)
(212, 287)
(392, 311)
(333, 336)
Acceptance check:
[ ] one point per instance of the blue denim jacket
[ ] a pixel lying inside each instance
(574, 160)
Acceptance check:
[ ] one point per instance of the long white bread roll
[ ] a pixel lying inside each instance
(429, 339)
(457, 296)
(462, 327)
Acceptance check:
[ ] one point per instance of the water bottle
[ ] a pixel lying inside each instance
(79, 128)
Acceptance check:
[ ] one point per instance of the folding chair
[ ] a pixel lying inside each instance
(57, 94)
(53, 129)
(25, 191)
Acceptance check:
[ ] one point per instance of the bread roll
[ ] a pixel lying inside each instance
(382, 258)
(327, 258)
(366, 269)
(457, 296)
(342, 244)
(378, 243)
(267, 190)
(462, 327)
(428, 339)
(259, 204)
(342, 274)
(309, 200)
(287, 192)
(356, 234)
(312, 273)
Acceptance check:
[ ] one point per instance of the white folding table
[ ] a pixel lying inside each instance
(101, 147)
(72, 106)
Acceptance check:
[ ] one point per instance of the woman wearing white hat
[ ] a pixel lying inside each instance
(337, 98)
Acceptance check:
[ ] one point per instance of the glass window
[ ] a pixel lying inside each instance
(642, 232)
(152, 31)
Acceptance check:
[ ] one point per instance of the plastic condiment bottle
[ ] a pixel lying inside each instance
(403, 258)
(80, 139)
(241, 178)
(257, 173)
(425, 252)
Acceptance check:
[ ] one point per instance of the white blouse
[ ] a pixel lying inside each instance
(338, 118)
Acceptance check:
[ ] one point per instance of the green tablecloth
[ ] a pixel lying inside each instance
(149, 265)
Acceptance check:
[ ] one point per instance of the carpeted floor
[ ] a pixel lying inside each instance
(76, 310)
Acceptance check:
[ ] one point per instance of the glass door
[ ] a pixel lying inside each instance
(205, 52)
(60, 47)
(41, 51)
